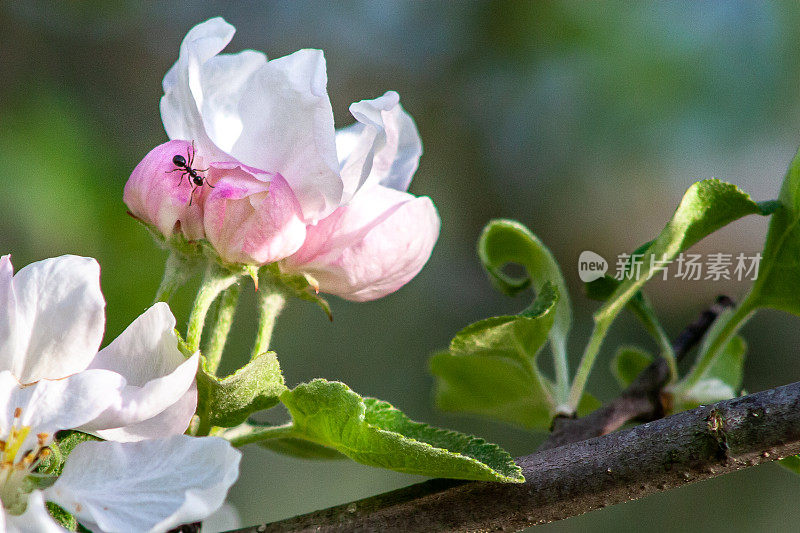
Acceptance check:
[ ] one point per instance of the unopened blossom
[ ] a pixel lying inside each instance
(251, 217)
(51, 324)
(383, 236)
(164, 197)
(278, 176)
(151, 485)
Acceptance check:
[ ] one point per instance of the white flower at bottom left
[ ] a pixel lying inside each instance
(150, 485)
(52, 317)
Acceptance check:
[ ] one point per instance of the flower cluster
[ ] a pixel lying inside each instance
(270, 179)
(256, 171)
(138, 391)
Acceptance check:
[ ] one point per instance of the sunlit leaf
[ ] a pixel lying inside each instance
(778, 282)
(490, 368)
(374, 433)
(603, 288)
(302, 449)
(707, 206)
(229, 401)
(506, 242)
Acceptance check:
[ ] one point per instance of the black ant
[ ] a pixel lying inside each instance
(185, 167)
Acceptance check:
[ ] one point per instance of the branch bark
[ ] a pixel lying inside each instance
(583, 476)
(642, 400)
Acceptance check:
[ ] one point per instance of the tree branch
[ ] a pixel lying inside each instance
(641, 401)
(579, 477)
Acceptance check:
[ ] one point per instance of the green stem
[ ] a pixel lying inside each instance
(204, 425)
(667, 352)
(271, 302)
(177, 270)
(214, 282)
(587, 361)
(562, 375)
(648, 317)
(721, 338)
(248, 434)
(222, 327)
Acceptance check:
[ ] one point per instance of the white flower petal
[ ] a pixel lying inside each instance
(35, 519)
(288, 129)
(52, 318)
(49, 406)
(202, 90)
(382, 148)
(158, 376)
(152, 485)
(7, 306)
(171, 421)
(224, 78)
(183, 92)
(146, 350)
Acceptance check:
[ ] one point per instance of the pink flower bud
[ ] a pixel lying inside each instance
(250, 216)
(370, 247)
(158, 192)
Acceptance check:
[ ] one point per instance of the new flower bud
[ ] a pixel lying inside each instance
(251, 217)
(159, 192)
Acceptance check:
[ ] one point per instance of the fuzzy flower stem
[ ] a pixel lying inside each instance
(215, 281)
(222, 327)
(271, 302)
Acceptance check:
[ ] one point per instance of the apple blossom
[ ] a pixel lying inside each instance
(51, 324)
(150, 485)
(383, 236)
(160, 197)
(271, 115)
(251, 217)
(282, 177)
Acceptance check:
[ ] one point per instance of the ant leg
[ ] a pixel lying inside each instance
(191, 196)
(180, 180)
(194, 153)
(190, 156)
(173, 170)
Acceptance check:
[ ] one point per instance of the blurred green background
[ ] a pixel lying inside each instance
(584, 121)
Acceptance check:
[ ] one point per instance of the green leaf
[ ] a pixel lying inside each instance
(722, 380)
(507, 241)
(374, 433)
(707, 206)
(229, 401)
(490, 369)
(628, 363)
(778, 283)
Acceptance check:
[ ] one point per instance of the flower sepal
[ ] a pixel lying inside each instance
(300, 285)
